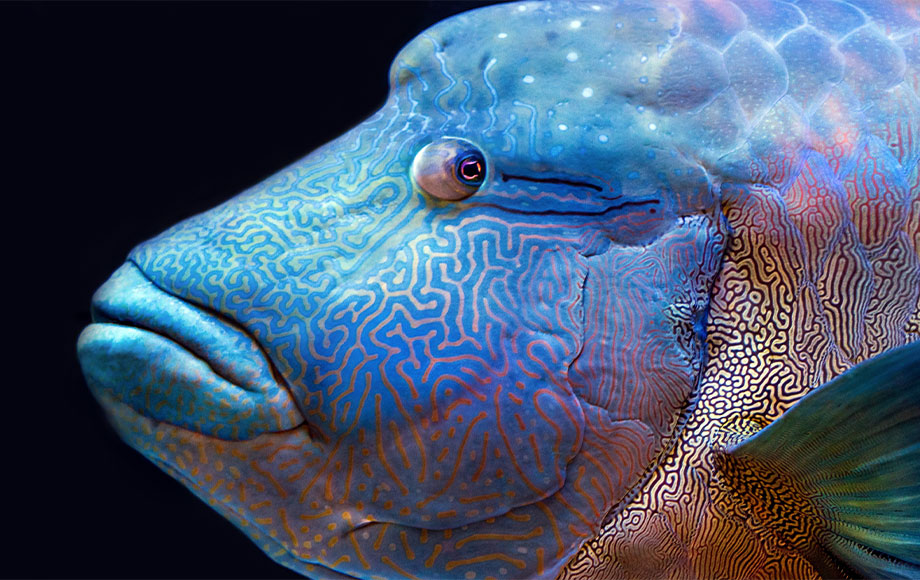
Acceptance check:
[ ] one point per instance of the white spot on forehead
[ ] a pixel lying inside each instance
(595, 7)
(503, 35)
(527, 79)
(652, 126)
(644, 58)
(575, 24)
(563, 127)
(571, 57)
(602, 138)
(522, 8)
(587, 92)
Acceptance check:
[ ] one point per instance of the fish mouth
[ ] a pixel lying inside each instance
(175, 362)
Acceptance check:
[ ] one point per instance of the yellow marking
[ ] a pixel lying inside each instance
(267, 475)
(260, 505)
(434, 554)
(399, 446)
(390, 563)
(351, 457)
(476, 498)
(287, 526)
(342, 559)
(485, 558)
(354, 544)
(538, 531)
(380, 453)
(552, 520)
(405, 542)
(383, 530)
(263, 521)
(325, 512)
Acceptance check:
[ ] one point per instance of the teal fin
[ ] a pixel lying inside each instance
(837, 477)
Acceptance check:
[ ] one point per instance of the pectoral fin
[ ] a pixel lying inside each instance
(837, 477)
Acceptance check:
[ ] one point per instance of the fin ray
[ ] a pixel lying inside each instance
(838, 474)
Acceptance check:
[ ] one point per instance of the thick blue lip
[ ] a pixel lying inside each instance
(174, 362)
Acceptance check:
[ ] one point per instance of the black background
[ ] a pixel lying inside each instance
(120, 120)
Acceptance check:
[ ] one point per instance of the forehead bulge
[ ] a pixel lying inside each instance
(602, 89)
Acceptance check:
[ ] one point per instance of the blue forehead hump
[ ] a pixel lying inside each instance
(548, 83)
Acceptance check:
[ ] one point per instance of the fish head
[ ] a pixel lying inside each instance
(440, 320)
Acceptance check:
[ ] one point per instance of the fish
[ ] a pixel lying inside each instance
(605, 289)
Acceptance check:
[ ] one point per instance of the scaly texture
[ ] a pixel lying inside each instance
(822, 270)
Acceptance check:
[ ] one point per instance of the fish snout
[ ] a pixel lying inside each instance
(174, 362)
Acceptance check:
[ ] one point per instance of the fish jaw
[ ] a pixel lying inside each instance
(178, 363)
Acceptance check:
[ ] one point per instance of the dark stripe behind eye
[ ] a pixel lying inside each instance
(553, 180)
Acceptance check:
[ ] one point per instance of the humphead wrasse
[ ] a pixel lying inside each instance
(608, 289)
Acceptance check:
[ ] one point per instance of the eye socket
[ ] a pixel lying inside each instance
(450, 169)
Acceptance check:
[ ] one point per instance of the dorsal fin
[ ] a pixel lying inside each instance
(837, 477)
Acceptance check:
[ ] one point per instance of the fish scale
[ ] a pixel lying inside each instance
(694, 214)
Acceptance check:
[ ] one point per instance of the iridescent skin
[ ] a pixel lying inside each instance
(694, 213)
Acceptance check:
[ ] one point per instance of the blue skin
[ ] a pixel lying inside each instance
(348, 307)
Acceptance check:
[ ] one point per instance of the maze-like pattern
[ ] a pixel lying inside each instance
(695, 212)
(822, 272)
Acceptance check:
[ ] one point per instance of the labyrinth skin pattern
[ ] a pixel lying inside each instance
(693, 213)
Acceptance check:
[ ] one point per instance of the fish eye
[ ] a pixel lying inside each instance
(450, 169)
(471, 169)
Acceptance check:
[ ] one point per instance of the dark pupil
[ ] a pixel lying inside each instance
(471, 169)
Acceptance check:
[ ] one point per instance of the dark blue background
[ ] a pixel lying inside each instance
(121, 119)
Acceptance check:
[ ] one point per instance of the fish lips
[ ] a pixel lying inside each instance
(174, 362)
